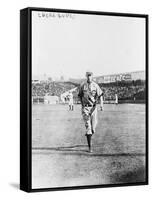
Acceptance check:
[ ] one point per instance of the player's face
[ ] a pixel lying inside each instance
(89, 78)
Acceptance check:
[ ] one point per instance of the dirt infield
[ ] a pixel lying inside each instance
(60, 157)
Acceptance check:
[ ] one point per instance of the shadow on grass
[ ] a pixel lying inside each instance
(136, 175)
(82, 150)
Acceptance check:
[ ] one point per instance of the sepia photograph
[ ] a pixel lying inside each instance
(88, 99)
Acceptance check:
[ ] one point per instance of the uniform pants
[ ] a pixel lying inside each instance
(90, 119)
(71, 105)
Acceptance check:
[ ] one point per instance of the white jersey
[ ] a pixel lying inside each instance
(89, 92)
(70, 96)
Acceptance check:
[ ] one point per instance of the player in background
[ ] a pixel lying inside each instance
(101, 102)
(116, 99)
(70, 97)
(89, 93)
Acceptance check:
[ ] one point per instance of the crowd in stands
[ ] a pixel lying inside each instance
(51, 88)
(124, 93)
(124, 90)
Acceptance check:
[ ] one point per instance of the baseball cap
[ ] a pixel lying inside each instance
(89, 73)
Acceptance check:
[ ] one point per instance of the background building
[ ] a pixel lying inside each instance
(138, 75)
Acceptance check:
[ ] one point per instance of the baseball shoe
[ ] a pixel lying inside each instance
(90, 150)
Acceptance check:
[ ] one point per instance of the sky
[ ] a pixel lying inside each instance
(69, 45)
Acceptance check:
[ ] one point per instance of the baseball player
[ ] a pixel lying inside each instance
(116, 99)
(89, 93)
(70, 96)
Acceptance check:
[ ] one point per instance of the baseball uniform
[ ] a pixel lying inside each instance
(70, 96)
(89, 94)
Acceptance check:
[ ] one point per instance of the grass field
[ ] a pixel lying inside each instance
(60, 157)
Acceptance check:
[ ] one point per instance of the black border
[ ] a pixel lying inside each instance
(25, 161)
(26, 103)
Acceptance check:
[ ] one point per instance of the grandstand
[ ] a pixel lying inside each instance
(129, 76)
(51, 88)
(132, 91)
(128, 87)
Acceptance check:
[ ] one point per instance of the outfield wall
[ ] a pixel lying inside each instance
(42, 101)
(131, 101)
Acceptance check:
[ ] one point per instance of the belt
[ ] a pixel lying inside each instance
(87, 105)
